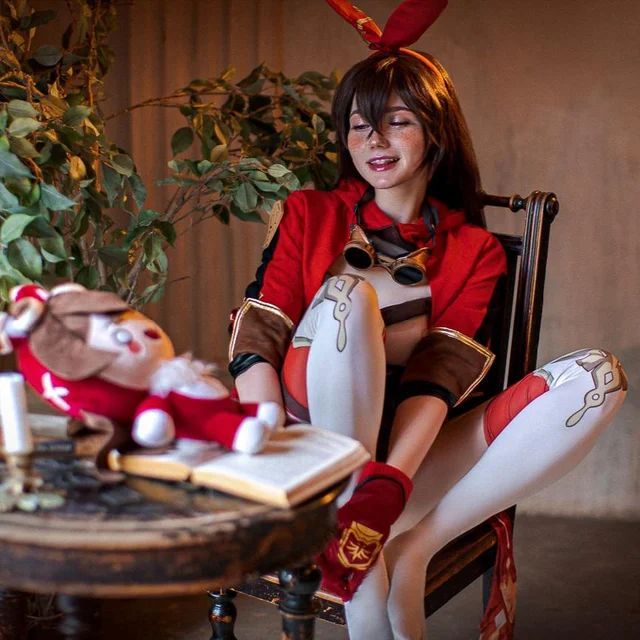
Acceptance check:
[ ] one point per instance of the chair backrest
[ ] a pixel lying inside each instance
(516, 333)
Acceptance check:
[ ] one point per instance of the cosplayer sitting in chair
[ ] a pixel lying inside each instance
(387, 282)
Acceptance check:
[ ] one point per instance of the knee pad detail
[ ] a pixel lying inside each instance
(508, 404)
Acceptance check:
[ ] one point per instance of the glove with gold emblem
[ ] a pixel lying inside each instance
(364, 523)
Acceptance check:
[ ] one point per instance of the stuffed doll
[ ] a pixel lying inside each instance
(88, 354)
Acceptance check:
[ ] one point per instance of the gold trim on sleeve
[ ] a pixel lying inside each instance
(247, 305)
(275, 215)
(469, 342)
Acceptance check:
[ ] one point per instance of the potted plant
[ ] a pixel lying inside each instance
(72, 204)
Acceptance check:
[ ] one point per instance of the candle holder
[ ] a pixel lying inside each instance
(22, 488)
(21, 475)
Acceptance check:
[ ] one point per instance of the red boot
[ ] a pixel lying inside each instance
(363, 527)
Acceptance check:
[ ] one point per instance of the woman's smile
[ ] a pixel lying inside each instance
(382, 163)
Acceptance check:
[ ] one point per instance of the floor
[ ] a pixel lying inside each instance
(578, 579)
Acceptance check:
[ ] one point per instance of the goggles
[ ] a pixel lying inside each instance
(405, 268)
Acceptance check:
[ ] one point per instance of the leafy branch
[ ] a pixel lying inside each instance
(72, 204)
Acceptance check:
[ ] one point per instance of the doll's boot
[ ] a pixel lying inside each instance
(364, 523)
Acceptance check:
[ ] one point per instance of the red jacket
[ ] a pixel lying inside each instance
(463, 270)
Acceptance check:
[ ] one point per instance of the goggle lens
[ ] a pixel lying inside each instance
(358, 256)
(361, 254)
(408, 275)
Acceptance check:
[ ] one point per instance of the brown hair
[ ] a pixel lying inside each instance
(429, 93)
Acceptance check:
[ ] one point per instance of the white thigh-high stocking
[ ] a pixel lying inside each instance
(537, 447)
(346, 365)
(366, 612)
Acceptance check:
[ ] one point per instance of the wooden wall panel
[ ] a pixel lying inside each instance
(550, 91)
(210, 279)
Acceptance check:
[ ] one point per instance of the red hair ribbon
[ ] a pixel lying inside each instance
(404, 26)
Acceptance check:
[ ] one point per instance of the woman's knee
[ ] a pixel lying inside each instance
(357, 290)
(597, 384)
(351, 300)
(592, 378)
(601, 369)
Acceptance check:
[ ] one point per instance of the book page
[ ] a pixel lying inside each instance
(296, 463)
(292, 457)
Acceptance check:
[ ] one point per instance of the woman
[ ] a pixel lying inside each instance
(386, 287)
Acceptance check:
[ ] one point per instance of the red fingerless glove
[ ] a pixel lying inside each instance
(363, 527)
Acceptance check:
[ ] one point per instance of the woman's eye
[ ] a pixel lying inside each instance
(360, 127)
(399, 123)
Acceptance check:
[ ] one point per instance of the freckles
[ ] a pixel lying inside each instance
(353, 142)
(414, 138)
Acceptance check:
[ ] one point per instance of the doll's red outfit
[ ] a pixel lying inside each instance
(212, 419)
(73, 397)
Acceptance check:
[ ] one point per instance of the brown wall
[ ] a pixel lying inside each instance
(551, 93)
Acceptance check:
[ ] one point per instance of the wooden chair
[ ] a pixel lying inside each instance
(514, 340)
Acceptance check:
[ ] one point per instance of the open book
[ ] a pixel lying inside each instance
(297, 463)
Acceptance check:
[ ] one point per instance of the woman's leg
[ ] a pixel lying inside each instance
(457, 448)
(574, 398)
(336, 368)
(344, 391)
(366, 613)
(343, 334)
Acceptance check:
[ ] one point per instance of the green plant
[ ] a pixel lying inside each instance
(72, 203)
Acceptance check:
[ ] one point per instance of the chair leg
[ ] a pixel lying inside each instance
(13, 619)
(297, 605)
(80, 619)
(222, 614)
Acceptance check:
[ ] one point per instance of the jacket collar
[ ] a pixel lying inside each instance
(350, 190)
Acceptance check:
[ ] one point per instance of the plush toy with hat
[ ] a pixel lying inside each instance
(88, 354)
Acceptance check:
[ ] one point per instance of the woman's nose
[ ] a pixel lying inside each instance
(377, 139)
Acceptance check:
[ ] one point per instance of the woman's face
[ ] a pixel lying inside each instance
(393, 156)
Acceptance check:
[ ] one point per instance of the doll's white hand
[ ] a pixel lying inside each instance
(251, 436)
(24, 315)
(153, 428)
(272, 414)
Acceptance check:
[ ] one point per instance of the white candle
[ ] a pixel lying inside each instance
(13, 414)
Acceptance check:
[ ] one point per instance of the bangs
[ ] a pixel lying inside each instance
(384, 75)
(373, 88)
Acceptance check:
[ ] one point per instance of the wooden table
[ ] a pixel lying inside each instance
(146, 537)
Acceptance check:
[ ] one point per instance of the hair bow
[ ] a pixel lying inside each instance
(404, 26)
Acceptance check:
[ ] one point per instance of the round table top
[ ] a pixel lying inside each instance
(147, 537)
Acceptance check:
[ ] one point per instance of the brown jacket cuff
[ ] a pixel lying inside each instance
(447, 360)
(262, 329)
